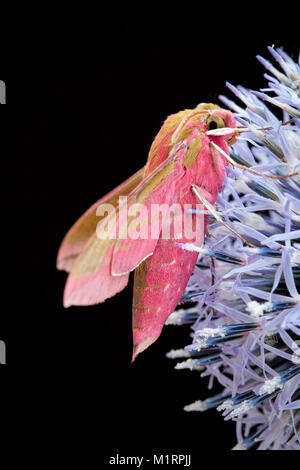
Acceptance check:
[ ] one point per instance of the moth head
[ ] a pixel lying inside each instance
(221, 118)
(206, 116)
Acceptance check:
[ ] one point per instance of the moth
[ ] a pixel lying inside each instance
(185, 160)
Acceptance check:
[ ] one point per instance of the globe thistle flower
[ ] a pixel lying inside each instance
(246, 317)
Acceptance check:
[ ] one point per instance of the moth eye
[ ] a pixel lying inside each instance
(214, 122)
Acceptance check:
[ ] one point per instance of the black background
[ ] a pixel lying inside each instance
(80, 118)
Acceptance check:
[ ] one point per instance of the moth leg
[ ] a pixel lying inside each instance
(207, 233)
(243, 167)
(213, 281)
(214, 213)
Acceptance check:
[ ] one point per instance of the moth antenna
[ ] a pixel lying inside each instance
(243, 167)
(238, 130)
(266, 128)
(214, 213)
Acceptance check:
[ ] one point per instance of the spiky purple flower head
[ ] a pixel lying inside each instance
(246, 321)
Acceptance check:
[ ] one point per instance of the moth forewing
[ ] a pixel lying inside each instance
(101, 260)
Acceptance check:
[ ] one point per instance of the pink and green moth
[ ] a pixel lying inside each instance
(181, 156)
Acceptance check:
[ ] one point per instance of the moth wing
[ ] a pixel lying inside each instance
(159, 283)
(160, 280)
(160, 187)
(85, 226)
(90, 280)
